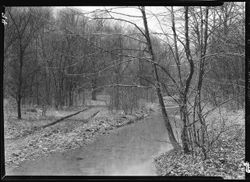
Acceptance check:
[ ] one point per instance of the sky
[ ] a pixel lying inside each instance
(128, 10)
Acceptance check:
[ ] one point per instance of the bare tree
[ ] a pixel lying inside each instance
(25, 25)
(158, 85)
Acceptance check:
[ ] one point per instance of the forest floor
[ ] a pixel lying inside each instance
(24, 142)
(225, 158)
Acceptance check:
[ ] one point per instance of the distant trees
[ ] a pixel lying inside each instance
(24, 26)
(52, 60)
(226, 65)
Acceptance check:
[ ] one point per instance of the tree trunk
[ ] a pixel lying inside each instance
(158, 90)
(19, 94)
(183, 96)
(37, 92)
(116, 98)
(70, 98)
(83, 97)
(184, 134)
(166, 121)
(19, 115)
(93, 94)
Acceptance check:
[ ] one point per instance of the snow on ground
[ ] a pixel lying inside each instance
(226, 156)
(23, 142)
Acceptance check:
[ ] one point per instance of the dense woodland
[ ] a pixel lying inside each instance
(59, 58)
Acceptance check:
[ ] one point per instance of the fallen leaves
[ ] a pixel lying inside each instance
(24, 141)
(225, 159)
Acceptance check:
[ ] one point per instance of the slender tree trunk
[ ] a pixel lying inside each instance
(70, 94)
(117, 97)
(183, 106)
(167, 121)
(158, 90)
(183, 96)
(184, 134)
(37, 91)
(201, 72)
(19, 95)
(93, 94)
(116, 89)
(19, 115)
(83, 97)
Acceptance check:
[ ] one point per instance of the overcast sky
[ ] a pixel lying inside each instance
(128, 10)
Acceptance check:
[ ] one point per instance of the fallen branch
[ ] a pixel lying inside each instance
(92, 116)
(63, 118)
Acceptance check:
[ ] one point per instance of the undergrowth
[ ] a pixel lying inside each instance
(225, 159)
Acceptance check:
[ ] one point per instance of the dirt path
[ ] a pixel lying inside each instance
(126, 151)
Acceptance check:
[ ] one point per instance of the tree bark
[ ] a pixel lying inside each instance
(71, 96)
(93, 93)
(19, 115)
(19, 94)
(184, 134)
(158, 90)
